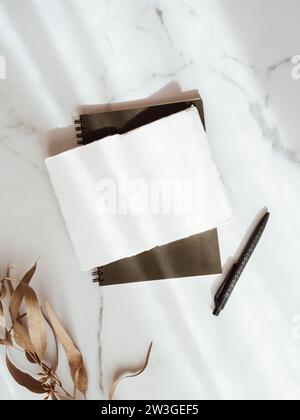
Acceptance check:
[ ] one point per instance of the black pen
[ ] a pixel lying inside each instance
(237, 269)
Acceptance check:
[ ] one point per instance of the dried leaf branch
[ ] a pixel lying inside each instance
(27, 333)
(132, 375)
(78, 372)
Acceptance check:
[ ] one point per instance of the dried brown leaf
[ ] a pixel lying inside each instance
(2, 318)
(35, 339)
(22, 338)
(10, 286)
(134, 375)
(55, 363)
(7, 341)
(19, 293)
(30, 358)
(3, 292)
(8, 338)
(28, 276)
(24, 379)
(9, 281)
(36, 326)
(77, 368)
(4, 342)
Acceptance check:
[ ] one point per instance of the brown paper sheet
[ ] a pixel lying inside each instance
(196, 255)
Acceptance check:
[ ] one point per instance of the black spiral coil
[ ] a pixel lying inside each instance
(98, 276)
(80, 129)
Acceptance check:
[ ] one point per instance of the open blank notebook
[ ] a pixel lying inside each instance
(106, 189)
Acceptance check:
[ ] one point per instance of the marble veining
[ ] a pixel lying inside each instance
(101, 314)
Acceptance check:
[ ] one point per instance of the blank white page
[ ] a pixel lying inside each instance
(126, 194)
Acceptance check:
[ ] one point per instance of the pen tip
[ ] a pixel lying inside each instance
(217, 312)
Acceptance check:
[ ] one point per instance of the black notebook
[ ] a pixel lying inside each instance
(193, 256)
(94, 127)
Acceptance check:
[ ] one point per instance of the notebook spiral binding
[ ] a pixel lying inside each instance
(80, 129)
(98, 276)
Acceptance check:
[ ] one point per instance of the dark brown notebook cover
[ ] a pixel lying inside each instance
(94, 127)
(194, 256)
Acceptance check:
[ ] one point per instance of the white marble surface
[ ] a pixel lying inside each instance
(65, 53)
